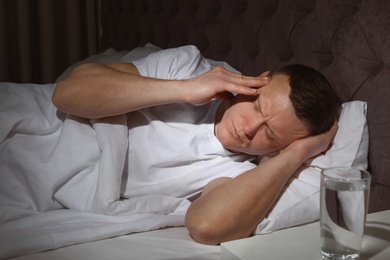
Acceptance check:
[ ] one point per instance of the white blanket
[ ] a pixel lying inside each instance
(44, 155)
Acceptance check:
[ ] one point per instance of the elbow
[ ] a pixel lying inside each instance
(203, 231)
(213, 230)
(59, 98)
(68, 89)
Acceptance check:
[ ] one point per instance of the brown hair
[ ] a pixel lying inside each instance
(312, 96)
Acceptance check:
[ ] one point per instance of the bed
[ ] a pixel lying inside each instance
(346, 40)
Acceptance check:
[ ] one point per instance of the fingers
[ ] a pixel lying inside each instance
(249, 85)
(248, 81)
(245, 85)
(221, 83)
(332, 131)
(265, 74)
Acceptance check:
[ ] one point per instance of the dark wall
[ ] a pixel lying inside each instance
(41, 38)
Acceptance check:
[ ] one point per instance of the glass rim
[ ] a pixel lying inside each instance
(365, 175)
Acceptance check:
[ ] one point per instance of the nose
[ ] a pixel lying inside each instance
(252, 126)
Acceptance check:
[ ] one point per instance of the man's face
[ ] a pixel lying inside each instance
(261, 124)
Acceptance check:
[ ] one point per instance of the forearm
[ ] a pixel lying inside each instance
(234, 208)
(97, 90)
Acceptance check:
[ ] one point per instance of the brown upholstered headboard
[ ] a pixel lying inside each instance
(347, 40)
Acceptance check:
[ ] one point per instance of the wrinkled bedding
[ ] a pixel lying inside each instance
(47, 156)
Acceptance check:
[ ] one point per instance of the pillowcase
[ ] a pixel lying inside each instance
(299, 202)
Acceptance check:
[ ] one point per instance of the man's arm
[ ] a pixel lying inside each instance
(101, 90)
(231, 208)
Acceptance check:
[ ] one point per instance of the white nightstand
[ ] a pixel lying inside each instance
(303, 242)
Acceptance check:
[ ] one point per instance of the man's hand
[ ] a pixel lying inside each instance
(220, 83)
(314, 145)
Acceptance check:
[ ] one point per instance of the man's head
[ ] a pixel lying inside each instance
(288, 108)
(312, 97)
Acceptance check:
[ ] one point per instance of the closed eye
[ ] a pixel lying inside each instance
(270, 137)
(268, 131)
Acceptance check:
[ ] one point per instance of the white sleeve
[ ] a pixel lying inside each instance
(176, 63)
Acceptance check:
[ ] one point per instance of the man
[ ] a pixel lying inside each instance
(158, 94)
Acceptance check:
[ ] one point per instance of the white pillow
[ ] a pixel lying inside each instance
(299, 203)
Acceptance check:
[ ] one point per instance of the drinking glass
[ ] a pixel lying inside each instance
(343, 210)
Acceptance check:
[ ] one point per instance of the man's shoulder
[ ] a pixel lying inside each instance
(175, 63)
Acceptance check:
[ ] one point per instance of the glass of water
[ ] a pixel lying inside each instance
(344, 204)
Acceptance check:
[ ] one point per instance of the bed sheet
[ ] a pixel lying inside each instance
(170, 243)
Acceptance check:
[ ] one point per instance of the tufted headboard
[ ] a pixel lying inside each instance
(347, 40)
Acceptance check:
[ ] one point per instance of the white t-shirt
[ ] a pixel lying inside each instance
(172, 148)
